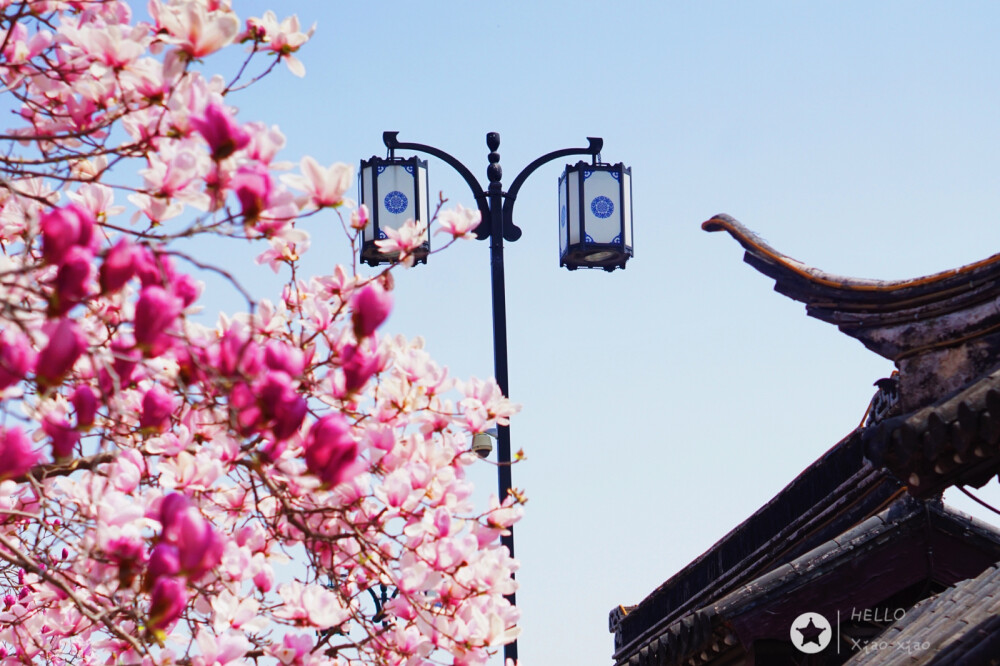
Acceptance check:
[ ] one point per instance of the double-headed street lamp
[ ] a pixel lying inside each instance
(595, 231)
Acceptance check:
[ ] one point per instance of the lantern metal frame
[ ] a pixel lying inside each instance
(586, 252)
(370, 253)
(497, 225)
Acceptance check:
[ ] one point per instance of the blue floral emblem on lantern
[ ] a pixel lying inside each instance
(396, 202)
(602, 207)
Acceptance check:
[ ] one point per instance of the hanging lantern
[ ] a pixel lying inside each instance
(395, 190)
(595, 216)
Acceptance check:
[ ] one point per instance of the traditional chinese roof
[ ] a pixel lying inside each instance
(958, 626)
(954, 441)
(891, 556)
(828, 539)
(832, 495)
(941, 330)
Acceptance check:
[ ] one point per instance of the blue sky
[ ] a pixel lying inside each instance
(666, 402)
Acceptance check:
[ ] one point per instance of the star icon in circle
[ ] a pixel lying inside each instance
(810, 633)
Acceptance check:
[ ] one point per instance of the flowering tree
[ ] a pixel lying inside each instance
(176, 493)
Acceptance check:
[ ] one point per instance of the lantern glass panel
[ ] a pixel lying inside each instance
(422, 199)
(602, 206)
(397, 198)
(563, 213)
(627, 206)
(573, 204)
(366, 197)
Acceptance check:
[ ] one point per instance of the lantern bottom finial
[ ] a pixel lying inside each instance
(595, 255)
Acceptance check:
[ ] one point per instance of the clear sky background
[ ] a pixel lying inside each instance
(663, 404)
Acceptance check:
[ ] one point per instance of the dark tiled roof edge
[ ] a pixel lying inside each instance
(956, 440)
(957, 626)
(678, 642)
(828, 497)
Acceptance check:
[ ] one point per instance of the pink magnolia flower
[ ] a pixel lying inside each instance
(312, 605)
(403, 241)
(359, 365)
(252, 184)
(284, 357)
(66, 344)
(220, 130)
(237, 354)
(324, 185)
(85, 402)
(155, 313)
(459, 222)
(119, 266)
(283, 39)
(163, 561)
(171, 507)
(73, 280)
(123, 366)
(64, 437)
(265, 142)
(194, 27)
(16, 454)
(370, 307)
(186, 288)
(199, 547)
(62, 228)
(293, 649)
(16, 358)
(222, 649)
(359, 217)
(166, 603)
(281, 404)
(157, 405)
(129, 553)
(331, 451)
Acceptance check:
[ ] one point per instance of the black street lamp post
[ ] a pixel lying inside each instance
(600, 237)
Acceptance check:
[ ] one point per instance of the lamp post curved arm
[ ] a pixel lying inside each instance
(512, 232)
(392, 143)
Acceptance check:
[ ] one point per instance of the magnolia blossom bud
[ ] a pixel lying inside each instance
(220, 130)
(64, 437)
(331, 451)
(62, 228)
(252, 184)
(73, 280)
(119, 266)
(287, 358)
(163, 561)
(16, 454)
(85, 402)
(359, 217)
(166, 603)
(66, 344)
(171, 507)
(264, 579)
(359, 365)
(370, 305)
(185, 288)
(16, 358)
(199, 546)
(157, 406)
(155, 313)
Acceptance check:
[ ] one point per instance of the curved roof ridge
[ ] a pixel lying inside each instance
(757, 246)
